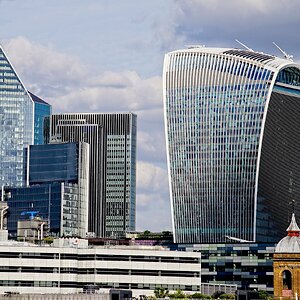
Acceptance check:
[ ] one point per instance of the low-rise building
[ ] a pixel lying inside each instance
(69, 264)
(247, 265)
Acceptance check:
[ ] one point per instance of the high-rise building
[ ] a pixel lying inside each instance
(112, 139)
(57, 177)
(232, 120)
(19, 113)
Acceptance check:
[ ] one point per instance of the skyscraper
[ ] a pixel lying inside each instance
(112, 139)
(232, 120)
(17, 118)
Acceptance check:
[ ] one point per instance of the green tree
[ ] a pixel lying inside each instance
(227, 296)
(179, 294)
(161, 292)
(217, 294)
(200, 296)
(263, 295)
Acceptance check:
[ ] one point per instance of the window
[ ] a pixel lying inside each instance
(287, 280)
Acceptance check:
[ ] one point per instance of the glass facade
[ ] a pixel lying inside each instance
(112, 139)
(57, 176)
(53, 162)
(41, 110)
(248, 265)
(216, 104)
(45, 199)
(16, 123)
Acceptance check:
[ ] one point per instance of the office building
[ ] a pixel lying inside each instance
(232, 120)
(69, 265)
(112, 139)
(57, 177)
(249, 266)
(17, 118)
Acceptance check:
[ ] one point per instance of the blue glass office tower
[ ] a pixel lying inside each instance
(17, 118)
(232, 120)
(57, 177)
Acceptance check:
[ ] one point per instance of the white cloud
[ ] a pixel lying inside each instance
(66, 81)
(35, 61)
(153, 204)
(257, 23)
(70, 86)
(153, 212)
(151, 178)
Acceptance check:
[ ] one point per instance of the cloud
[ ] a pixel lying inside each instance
(151, 178)
(153, 212)
(218, 23)
(37, 61)
(66, 81)
(153, 204)
(71, 86)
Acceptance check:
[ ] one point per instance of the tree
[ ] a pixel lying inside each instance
(227, 296)
(179, 294)
(161, 292)
(217, 294)
(200, 296)
(263, 295)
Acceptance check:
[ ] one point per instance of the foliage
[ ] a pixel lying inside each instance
(263, 295)
(48, 239)
(227, 296)
(217, 294)
(200, 296)
(161, 292)
(155, 235)
(179, 294)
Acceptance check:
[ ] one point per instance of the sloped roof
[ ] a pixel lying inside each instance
(37, 99)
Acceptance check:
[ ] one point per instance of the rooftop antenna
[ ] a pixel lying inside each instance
(246, 47)
(287, 56)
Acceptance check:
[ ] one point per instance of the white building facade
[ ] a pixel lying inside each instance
(69, 266)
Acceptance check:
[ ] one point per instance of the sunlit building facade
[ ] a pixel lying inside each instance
(232, 120)
(17, 119)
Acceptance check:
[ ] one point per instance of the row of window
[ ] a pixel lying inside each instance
(75, 284)
(102, 271)
(101, 257)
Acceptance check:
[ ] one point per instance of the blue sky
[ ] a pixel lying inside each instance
(107, 56)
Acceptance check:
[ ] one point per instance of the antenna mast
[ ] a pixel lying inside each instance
(287, 56)
(246, 47)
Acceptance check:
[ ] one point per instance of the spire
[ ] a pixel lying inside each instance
(293, 229)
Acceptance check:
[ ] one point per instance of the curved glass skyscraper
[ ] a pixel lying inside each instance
(232, 120)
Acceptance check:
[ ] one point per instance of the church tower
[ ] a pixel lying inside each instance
(287, 263)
